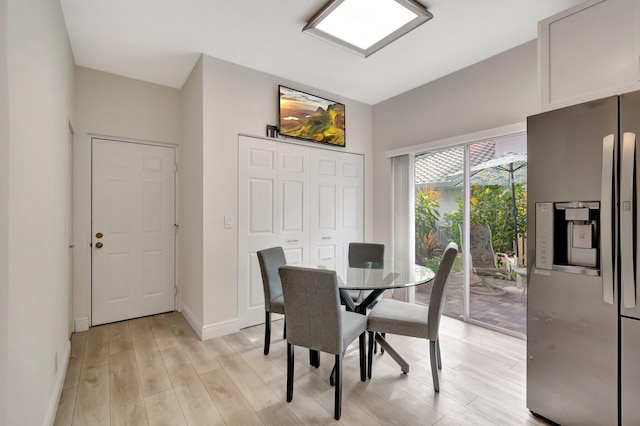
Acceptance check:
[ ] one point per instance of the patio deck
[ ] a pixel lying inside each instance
(508, 311)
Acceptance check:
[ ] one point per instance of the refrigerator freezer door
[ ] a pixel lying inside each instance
(630, 128)
(572, 330)
(630, 373)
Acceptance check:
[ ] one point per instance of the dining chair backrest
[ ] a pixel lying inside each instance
(366, 255)
(270, 260)
(312, 308)
(439, 289)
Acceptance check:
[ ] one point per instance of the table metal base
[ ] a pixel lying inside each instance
(404, 365)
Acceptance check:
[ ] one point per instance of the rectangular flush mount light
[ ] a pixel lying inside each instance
(366, 26)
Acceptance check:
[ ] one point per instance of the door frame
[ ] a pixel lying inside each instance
(92, 136)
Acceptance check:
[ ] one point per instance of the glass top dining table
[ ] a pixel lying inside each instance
(376, 278)
(391, 274)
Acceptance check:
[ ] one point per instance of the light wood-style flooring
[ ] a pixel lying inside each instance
(156, 371)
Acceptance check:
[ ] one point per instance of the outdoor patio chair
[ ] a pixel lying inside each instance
(485, 261)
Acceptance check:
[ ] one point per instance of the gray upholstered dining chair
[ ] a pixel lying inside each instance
(316, 321)
(408, 319)
(270, 260)
(365, 255)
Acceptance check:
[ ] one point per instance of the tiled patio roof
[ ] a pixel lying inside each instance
(437, 167)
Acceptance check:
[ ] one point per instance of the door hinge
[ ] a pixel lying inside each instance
(176, 291)
(176, 166)
(176, 226)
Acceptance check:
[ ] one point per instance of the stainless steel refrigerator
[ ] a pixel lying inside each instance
(583, 318)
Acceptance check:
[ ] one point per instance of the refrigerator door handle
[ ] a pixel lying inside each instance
(627, 231)
(607, 217)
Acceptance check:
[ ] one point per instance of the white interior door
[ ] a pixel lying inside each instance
(133, 230)
(257, 229)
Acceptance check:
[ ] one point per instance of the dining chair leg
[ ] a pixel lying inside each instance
(438, 353)
(363, 362)
(284, 333)
(267, 331)
(383, 336)
(314, 358)
(434, 369)
(290, 369)
(372, 339)
(338, 398)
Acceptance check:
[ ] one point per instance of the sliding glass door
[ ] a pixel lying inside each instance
(438, 202)
(477, 189)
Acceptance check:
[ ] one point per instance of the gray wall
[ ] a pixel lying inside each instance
(118, 107)
(241, 100)
(4, 210)
(39, 78)
(190, 239)
(499, 91)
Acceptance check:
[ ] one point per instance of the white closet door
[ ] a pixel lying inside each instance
(257, 222)
(293, 202)
(307, 200)
(350, 202)
(324, 207)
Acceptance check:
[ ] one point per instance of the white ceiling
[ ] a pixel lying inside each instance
(160, 40)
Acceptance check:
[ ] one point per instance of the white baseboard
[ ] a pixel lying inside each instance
(209, 331)
(191, 319)
(50, 416)
(220, 329)
(81, 324)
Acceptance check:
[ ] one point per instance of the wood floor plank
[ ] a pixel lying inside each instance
(126, 401)
(250, 384)
(197, 406)
(64, 415)
(92, 400)
(120, 339)
(218, 346)
(163, 409)
(238, 342)
(157, 321)
(313, 401)
(144, 342)
(139, 325)
(229, 380)
(96, 350)
(78, 341)
(278, 415)
(153, 374)
(175, 318)
(234, 408)
(164, 337)
(264, 366)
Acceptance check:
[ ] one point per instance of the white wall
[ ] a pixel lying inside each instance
(4, 210)
(115, 106)
(190, 240)
(499, 91)
(241, 100)
(40, 92)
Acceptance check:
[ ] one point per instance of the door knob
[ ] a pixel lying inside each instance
(98, 245)
(99, 235)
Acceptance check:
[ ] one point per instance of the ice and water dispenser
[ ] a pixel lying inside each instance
(567, 237)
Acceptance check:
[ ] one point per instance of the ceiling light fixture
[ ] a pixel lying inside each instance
(366, 26)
